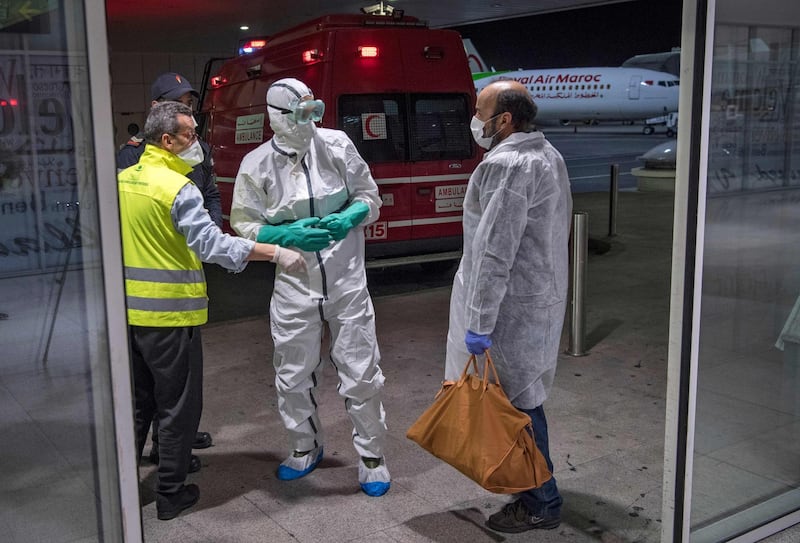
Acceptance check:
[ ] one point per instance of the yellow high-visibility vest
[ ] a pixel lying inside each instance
(164, 280)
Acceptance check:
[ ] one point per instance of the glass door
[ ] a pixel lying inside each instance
(747, 423)
(67, 458)
(735, 367)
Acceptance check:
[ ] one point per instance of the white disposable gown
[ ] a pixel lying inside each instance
(511, 283)
(305, 171)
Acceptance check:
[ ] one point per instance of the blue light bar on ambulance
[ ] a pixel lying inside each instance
(367, 51)
(252, 45)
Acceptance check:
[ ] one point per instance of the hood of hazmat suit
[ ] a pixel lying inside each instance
(282, 97)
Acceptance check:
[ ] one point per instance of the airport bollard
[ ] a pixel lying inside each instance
(613, 200)
(579, 248)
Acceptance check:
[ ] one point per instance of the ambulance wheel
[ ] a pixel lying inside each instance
(647, 130)
(670, 132)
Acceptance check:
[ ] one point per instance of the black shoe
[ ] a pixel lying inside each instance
(202, 440)
(170, 506)
(514, 518)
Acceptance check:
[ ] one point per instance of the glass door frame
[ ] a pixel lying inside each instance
(697, 42)
(114, 287)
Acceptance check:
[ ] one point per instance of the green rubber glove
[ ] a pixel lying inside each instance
(339, 224)
(302, 234)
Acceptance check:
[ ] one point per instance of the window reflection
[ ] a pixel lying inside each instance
(748, 404)
(58, 469)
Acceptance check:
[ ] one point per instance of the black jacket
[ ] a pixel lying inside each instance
(202, 175)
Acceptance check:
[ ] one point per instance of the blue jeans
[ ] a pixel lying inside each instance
(544, 501)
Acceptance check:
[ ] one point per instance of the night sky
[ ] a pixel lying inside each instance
(601, 36)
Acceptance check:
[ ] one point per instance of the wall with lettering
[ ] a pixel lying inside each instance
(755, 102)
(39, 180)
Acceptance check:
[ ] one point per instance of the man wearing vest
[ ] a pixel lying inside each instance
(166, 235)
(172, 87)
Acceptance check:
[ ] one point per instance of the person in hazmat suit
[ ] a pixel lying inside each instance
(510, 289)
(308, 188)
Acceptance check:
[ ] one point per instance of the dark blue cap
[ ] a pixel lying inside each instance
(171, 86)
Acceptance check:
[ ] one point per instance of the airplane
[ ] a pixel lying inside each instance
(591, 94)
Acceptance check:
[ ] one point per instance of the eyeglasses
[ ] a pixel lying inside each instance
(303, 112)
(190, 135)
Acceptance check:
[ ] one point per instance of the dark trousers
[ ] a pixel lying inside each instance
(155, 418)
(167, 367)
(544, 501)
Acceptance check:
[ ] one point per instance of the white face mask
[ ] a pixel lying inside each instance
(476, 126)
(192, 155)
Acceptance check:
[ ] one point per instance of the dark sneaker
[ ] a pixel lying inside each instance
(170, 506)
(202, 440)
(514, 518)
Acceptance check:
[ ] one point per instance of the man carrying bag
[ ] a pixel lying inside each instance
(510, 291)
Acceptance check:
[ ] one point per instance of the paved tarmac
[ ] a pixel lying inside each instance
(606, 414)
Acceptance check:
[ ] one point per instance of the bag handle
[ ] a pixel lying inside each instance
(487, 365)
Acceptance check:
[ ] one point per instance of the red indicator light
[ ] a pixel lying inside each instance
(367, 51)
(311, 55)
(13, 101)
(218, 81)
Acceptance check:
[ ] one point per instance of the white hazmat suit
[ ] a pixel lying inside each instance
(511, 283)
(302, 172)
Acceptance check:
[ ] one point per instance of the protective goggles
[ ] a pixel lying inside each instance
(305, 111)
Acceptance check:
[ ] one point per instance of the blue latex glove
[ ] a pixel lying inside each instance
(339, 224)
(476, 343)
(302, 234)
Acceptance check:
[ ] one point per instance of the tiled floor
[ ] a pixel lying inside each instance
(606, 416)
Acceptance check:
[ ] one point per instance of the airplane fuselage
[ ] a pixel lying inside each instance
(603, 94)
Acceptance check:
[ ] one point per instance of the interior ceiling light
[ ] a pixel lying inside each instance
(244, 27)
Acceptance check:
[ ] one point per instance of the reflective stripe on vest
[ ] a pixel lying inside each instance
(164, 276)
(166, 304)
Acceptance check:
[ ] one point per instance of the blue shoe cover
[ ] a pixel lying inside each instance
(375, 481)
(375, 489)
(295, 467)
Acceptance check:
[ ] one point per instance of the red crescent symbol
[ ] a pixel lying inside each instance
(368, 128)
